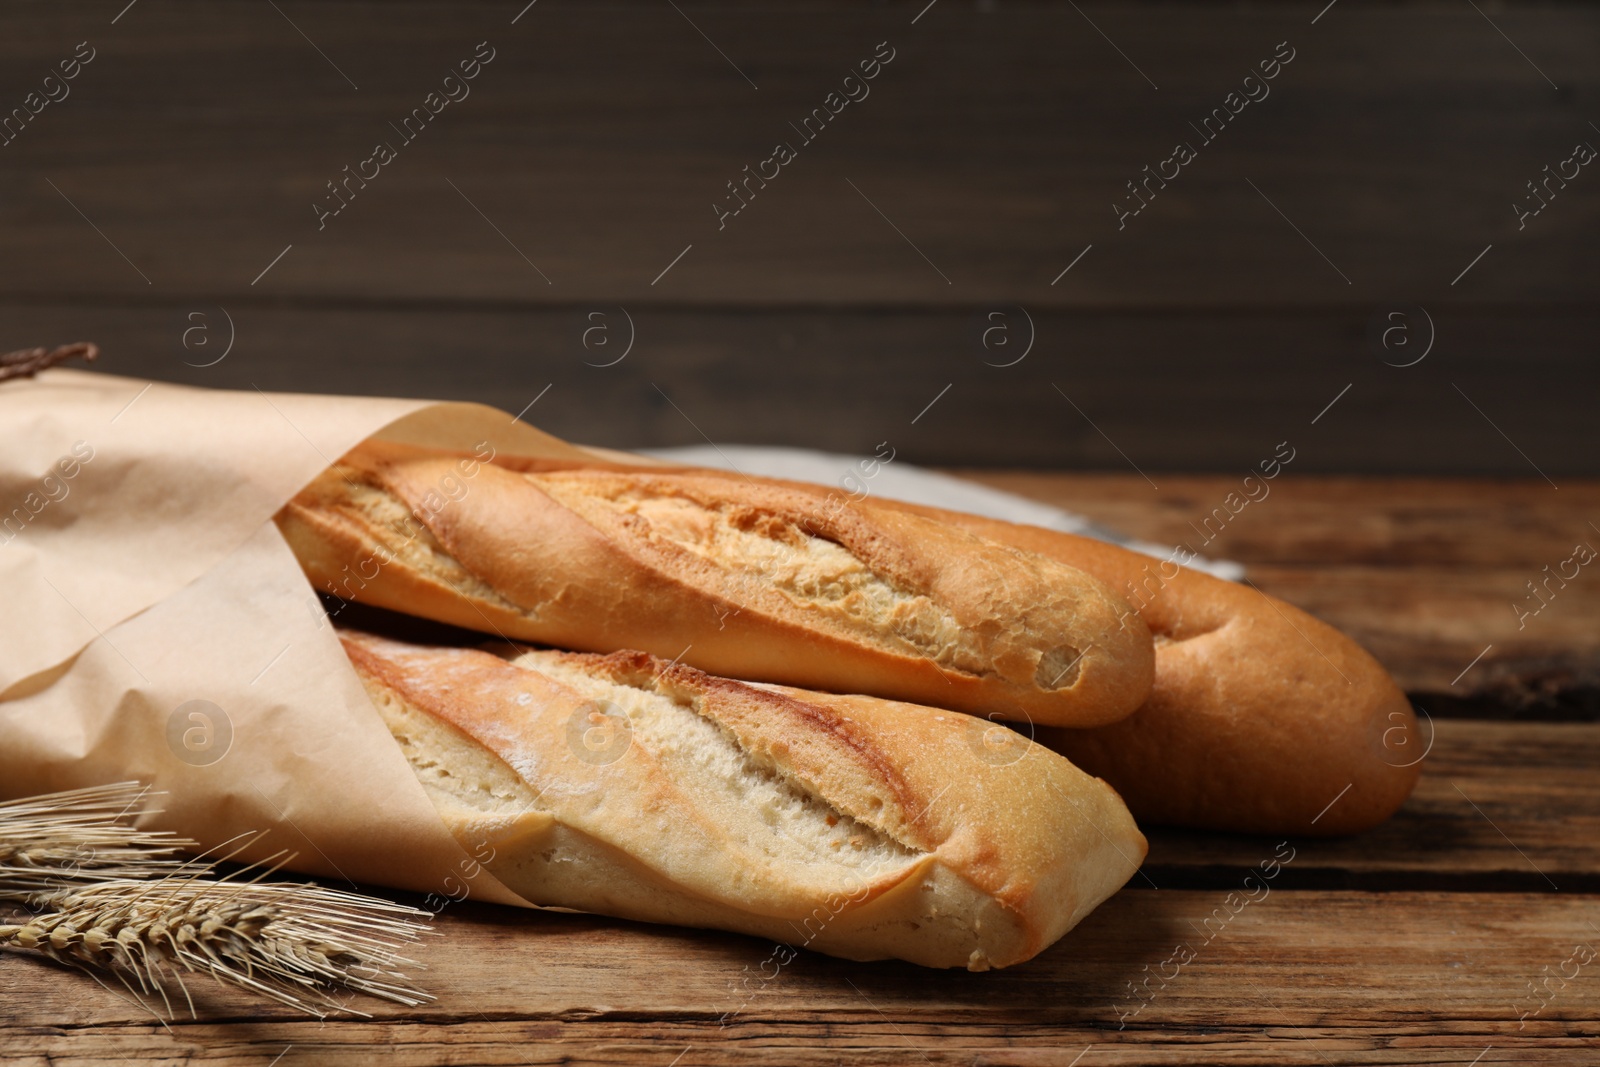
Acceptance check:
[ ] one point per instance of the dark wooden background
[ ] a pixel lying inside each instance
(188, 155)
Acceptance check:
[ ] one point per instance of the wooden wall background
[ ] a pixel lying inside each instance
(1220, 321)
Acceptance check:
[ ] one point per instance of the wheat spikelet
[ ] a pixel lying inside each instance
(296, 943)
(115, 898)
(80, 837)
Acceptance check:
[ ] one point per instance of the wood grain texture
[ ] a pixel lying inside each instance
(1437, 622)
(1501, 806)
(996, 141)
(1301, 975)
(1296, 977)
(1180, 390)
(1393, 523)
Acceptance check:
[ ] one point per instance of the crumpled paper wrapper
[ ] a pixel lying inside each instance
(158, 628)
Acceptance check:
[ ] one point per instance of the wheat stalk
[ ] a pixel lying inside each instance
(116, 898)
(79, 837)
(296, 943)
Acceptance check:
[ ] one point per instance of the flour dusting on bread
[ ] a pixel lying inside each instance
(397, 538)
(779, 815)
(760, 580)
(762, 547)
(860, 827)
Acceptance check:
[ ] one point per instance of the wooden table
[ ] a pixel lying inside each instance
(1455, 934)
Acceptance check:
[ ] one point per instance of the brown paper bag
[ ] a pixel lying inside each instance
(158, 628)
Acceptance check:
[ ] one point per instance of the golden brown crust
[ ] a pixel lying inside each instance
(746, 578)
(858, 826)
(1263, 718)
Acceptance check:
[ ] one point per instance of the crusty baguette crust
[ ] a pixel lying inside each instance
(747, 578)
(857, 826)
(1263, 718)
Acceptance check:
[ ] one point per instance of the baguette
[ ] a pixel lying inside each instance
(630, 786)
(753, 579)
(1263, 718)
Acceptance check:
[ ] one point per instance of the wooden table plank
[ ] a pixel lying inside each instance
(1327, 520)
(1501, 805)
(1316, 969)
(1296, 977)
(1429, 625)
